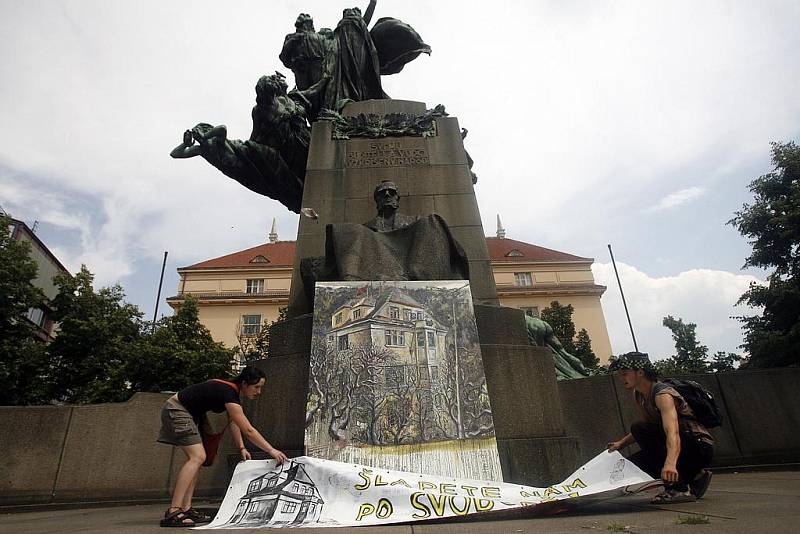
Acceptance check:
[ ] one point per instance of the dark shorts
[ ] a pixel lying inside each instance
(177, 426)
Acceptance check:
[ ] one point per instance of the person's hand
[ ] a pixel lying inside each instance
(245, 453)
(669, 473)
(614, 446)
(278, 455)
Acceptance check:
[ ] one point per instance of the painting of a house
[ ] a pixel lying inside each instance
(394, 364)
(286, 497)
(397, 322)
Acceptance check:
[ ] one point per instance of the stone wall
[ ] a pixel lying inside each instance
(108, 452)
(761, 411)
(99, 452)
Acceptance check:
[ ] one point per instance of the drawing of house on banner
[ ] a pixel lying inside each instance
(286, 497)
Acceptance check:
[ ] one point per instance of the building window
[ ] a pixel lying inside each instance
(408, 315)
(254, 486)
(523, 279)
(356, 314)
(295, 487)
(395, 337)
(344, 344)
(255, 286)
(289, 507)
(514, 254)
(394, 312)
(259, 259)
(338, 318)
(251, 325)
(533, 311)
(36, 316)
(431, 339)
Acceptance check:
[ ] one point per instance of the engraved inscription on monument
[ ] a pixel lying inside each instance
(388, 154)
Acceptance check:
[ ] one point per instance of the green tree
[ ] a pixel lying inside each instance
(560, 318)
(772, 225)
(24, 375)
(180, 352)
(690, 356)
(724, 361)
(97, 331)
(583, 350)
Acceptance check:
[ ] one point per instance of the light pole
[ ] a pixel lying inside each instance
(158, 297)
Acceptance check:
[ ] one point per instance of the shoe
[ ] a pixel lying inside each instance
(672, 496)
(175, 517)
(700, 483)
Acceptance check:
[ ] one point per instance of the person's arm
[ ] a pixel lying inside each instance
(369, 11)
(243, 425)
(186, 149)
(621, 443)
(669, 420)
(237, 439)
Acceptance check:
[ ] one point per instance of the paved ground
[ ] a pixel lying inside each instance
(736, 502)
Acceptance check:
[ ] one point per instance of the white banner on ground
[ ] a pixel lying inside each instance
(312, 492)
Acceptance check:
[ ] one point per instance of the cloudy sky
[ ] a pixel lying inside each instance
(636, 123)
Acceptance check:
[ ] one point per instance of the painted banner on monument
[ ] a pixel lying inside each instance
(311, 492)
(396, 379)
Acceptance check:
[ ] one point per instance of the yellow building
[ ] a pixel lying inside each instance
(238, 293)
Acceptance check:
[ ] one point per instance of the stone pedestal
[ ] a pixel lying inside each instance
(340, 179)
(526, 405)
(341, 176)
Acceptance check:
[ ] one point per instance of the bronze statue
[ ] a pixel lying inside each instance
(541, 334)
(307, 53)
(273, 161)
(331, 68)
(387, 200)
(393, 246)
(346, 65)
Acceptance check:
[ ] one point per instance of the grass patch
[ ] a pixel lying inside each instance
(692, 520)
(617, 527)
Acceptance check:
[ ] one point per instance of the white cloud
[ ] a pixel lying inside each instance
(684, 196)
(701, 296)
(572, 108)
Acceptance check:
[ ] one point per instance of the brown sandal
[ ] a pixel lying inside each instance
(177, 518)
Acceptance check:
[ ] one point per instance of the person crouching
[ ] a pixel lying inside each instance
(674, 445)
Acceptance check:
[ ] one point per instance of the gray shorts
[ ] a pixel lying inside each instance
(177, 426)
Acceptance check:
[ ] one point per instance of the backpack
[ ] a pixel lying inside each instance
(699, 399)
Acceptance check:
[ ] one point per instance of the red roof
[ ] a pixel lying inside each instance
(281, 254)
(502, 249)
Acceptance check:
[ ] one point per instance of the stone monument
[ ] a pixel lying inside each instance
(359, 142)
